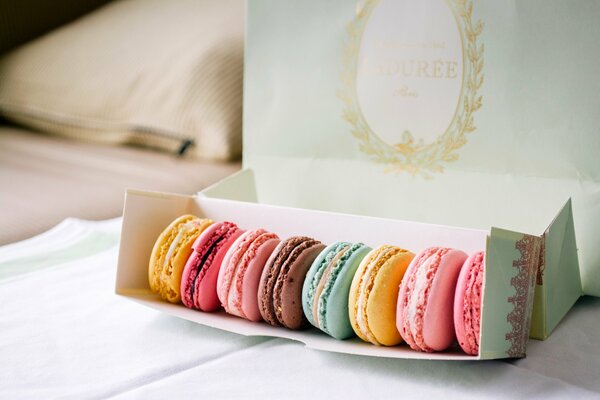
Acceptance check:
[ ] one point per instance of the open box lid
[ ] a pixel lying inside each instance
(472, 114)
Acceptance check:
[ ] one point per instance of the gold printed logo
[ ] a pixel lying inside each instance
(410, 97)
(436, 69)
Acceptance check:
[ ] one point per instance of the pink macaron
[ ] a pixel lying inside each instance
(467, 303)
(240, 273)
(424, 314)
(199, 279)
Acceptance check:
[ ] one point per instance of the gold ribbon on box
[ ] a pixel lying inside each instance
(409, 155)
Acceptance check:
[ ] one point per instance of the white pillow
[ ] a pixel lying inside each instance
(150, 72)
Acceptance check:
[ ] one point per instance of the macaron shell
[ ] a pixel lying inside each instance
(467, 303)
(206, 297)
(292, 315)
(337, 313)
(382, 302)
(438, 319)
(251, 280)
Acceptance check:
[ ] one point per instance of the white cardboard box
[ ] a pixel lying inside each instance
(146, 215)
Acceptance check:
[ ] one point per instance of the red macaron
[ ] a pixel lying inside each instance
(424, 313)
(199, 279)
(467, 303)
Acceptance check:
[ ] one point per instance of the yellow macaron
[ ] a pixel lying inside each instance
(170, 253)
(374, 294)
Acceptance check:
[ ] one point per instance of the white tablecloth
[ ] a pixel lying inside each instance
(65, 334)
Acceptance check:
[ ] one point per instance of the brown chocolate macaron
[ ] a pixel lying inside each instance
(280, 287)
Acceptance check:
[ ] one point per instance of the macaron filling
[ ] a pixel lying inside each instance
(329, 279)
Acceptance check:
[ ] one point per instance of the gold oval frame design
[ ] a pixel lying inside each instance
(409, 156)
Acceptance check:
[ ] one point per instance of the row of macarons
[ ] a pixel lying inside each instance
(384, 295)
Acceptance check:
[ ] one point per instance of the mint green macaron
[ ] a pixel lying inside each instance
(327, 287)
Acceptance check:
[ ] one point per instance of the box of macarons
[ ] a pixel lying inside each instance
(393, 201)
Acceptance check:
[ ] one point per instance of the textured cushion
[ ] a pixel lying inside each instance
(151, 72)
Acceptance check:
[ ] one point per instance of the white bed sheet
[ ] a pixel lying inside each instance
(65, 334)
